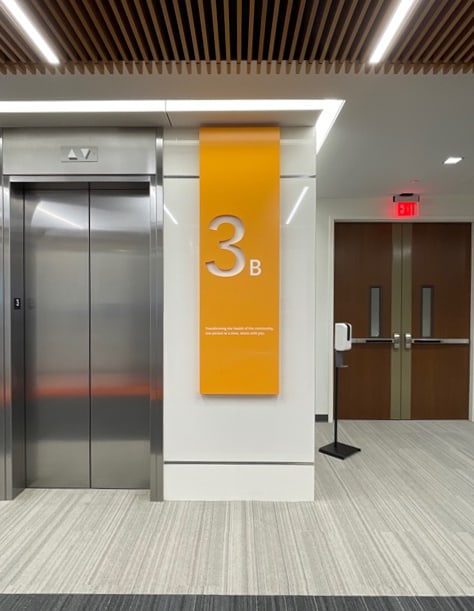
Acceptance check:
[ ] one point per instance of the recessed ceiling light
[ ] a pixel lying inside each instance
(30, 30)
(392, 30)
(452, 160)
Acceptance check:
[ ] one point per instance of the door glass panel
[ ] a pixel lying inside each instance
(375, 304)
(426, 311)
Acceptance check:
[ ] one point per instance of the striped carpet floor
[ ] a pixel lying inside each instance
(44, 602)
(395, 520)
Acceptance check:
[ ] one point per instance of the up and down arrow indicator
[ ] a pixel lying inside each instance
(79, 153)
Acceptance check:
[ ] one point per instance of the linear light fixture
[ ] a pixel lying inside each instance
(452, 160)
(30, 30)
(326, 120)
(392, 29)
(241, 105)
(82, 106)
(329, 109)
(297, 205)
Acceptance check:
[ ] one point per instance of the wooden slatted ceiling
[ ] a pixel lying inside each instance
(186, 35)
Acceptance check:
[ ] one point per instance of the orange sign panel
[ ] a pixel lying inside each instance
(239, 260)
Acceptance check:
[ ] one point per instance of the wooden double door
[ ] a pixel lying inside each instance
(405, 288)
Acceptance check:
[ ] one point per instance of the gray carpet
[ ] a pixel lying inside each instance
(396, 519)
(40, 602)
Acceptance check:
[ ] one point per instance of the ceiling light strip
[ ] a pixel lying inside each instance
(392, 29)
(82, 106)
(297, 205)
(329, 109)
(242, 105)
(326, 120)
(30, 30)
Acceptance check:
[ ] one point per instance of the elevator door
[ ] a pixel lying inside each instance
(86, 336)
(406, 290)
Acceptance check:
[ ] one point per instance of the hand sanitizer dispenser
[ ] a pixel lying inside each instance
(342, 336)
(342, 343)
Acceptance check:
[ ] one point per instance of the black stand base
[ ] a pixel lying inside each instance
(339, 450)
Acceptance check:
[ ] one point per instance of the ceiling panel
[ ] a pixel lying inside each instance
(117, 36)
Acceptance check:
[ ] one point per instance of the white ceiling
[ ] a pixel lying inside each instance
(392, 131)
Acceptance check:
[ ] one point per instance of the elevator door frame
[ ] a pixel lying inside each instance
(15, 473)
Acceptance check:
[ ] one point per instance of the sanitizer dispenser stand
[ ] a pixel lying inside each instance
(342, 343)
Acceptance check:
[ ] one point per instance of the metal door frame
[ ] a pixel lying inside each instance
(3, 474)
(400, 394)
(9, 488)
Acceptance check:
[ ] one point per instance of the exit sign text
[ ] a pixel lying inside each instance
(407, 209)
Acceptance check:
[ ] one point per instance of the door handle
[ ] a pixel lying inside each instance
(395, 340)
(408, 341)
(440, 341)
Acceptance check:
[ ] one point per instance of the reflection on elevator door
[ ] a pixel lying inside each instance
(86, 336)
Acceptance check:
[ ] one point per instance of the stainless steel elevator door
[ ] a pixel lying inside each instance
(120, 322)
(57, 337)
(87, 336)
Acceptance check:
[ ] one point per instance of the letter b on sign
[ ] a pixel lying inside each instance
(255, 267)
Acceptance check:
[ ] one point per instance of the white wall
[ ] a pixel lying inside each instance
(238, 447)
(432, 209)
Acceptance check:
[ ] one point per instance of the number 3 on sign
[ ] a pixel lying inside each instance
(230, 246)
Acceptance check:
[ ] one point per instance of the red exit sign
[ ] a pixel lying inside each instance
(407, 209)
